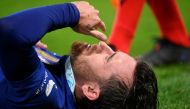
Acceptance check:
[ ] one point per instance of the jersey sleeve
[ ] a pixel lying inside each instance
(20, 31)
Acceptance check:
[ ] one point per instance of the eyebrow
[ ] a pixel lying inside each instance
(109, 58)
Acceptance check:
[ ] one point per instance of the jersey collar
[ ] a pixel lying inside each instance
(70, 75)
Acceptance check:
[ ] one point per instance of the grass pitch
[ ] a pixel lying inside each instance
(173, 80)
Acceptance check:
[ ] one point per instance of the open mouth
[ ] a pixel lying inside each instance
(88, 46)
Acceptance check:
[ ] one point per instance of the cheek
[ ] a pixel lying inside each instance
(95, 60)
(96, 64)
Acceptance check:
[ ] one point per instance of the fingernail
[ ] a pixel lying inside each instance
(104, 38)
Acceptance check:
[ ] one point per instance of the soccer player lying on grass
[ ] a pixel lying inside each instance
(92, 77)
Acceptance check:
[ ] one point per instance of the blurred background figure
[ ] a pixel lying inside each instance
(173, 46)
(115, 3)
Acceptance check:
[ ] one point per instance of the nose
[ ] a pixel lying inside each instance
(106, 48)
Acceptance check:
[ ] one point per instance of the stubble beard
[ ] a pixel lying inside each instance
(78, 49)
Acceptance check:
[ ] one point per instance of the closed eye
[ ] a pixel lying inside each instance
(110, 57)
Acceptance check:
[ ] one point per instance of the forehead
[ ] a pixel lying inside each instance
(123, 65)
(120, 64)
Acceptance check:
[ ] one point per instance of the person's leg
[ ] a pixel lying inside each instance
(170, 21)
(128, 14)
(115, 3)
(174, 46)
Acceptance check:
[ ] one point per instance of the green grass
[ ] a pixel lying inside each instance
(173, 80)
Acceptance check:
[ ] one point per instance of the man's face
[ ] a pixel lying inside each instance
(103, 61)
(93, 64)
(95, 68)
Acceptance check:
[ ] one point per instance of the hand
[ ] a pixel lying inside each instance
(89, 22)
(41, 45)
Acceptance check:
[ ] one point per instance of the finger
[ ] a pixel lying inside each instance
(93, 8)
(102, 26)
(87, 3)
(97, 34)
(97, 12)
(105, 46)
(41, 45)
(84, 2)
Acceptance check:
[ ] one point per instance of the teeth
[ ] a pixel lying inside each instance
(88, 45)
(99, 43)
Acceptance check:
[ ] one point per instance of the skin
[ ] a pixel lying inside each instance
(104, 63)
(90, 22)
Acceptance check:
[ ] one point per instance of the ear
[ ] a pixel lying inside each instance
(91, 90)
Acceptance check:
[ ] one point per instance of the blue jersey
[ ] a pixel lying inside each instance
(27, 79)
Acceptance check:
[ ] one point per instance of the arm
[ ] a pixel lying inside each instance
(20, 31)
(29, 26)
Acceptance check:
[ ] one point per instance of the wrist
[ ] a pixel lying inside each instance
(75, 14)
